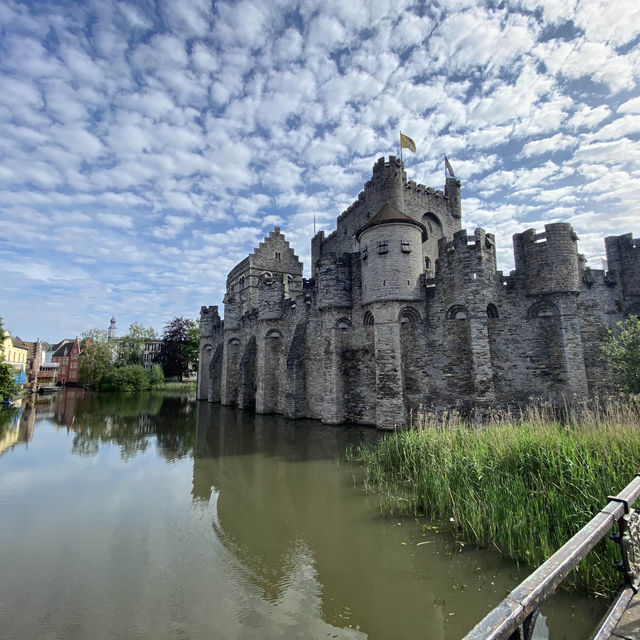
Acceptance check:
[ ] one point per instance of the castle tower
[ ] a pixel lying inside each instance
(391, 256)
(623, 261)
(210, 340)
(391, 259)
(548, 265)
(112, 332)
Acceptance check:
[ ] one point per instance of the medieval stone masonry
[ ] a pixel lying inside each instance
(405, 309)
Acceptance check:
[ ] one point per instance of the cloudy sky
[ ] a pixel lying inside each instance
(146, 147)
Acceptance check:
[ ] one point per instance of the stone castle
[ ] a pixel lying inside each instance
(406, 309)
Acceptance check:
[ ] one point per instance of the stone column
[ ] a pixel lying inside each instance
(333, 392)
(574, 371)
(481, 367)
(390, 409)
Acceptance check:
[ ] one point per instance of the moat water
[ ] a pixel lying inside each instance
(154, 516)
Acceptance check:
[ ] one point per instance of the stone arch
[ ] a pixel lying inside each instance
(273, 373)
(435, 231)
(266, 277)
(457, 312)
(409, 314)
(368, 320)
(632, 310)
(247, 376)
(542, 309)
(343, 323)
(492, 311)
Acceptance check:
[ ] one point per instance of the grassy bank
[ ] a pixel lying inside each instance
(523, 483)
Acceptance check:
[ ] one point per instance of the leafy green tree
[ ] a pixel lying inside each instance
(622, 347)
(130, 348)
(156, 377)
(94, 335)
(95, 360)
(191, 347)
(172, 356)
(131, 377)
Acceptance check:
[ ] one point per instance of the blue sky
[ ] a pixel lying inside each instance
(147, 147)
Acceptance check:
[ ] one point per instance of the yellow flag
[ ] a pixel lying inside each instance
(407, 143)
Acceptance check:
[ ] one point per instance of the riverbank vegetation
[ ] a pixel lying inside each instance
(522, 483)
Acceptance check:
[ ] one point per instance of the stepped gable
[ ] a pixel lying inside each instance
(387, 214)
(275, 238)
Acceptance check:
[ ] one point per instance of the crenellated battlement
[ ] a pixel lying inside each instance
(548, 262)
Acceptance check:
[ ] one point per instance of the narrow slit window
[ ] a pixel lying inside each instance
(383, 246)
(365, 252)
(278, 255)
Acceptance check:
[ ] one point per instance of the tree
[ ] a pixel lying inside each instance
(172, 356)
(130, 348)
(94, 335)
(95, 361)
(8, 385)
(156, 377)
(622, 347)
(191, 347)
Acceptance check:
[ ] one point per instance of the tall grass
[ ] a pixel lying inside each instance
(523, 482)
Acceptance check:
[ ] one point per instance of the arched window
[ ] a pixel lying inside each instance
(492, 311)
(343, 323)
(207, 347)
(457, 312)
(368, 319)
(542, 309)
(273, 333)
(234, 342)
(409, 314)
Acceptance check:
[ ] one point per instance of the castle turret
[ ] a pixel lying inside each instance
(453, 199)
(210, 343)
(623, 262)
(391, 256)
(386, 184)
(333, 281)
(549, 267)
(548, 261)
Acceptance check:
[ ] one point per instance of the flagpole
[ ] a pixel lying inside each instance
(401, 160)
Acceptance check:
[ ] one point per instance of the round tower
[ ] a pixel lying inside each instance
(391, 256)
(548, 261)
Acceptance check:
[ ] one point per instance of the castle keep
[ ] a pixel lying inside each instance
(405, 309)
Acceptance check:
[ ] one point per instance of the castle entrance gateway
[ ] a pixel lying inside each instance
(378, 330)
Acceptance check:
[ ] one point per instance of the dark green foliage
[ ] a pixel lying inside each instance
(175, 354)
(95, 362)
(622, 347)
(131, 377)
(156, 377)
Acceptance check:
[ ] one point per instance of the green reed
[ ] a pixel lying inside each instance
(522, 482)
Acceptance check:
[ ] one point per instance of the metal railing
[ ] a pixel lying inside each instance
(514, 618)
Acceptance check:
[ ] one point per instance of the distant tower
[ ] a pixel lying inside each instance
(112, 331)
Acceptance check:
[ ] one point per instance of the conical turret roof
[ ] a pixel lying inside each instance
(388, 213)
